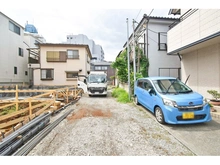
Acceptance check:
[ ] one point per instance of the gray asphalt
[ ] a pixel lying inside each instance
(202, 139)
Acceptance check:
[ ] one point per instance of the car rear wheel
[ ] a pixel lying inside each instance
(159, 115)
(136, 100)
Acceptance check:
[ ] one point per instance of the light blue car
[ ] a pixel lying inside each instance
(171, 101)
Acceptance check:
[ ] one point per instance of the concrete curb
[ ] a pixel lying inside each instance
(217, 113)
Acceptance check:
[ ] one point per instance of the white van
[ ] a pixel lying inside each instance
(97, 83)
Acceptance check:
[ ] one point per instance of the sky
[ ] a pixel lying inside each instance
(104, 21)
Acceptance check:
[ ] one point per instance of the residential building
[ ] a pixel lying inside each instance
(151, 36)
(196, 40)
(60, 64)
(106, 67)
(14, 68)
(13, 53)
(31, 40)
(96, 50)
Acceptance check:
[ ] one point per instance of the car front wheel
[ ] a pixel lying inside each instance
(159, 115)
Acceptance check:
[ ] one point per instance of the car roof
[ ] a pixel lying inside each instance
(157, 78)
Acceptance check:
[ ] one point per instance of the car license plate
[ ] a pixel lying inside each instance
(188, 115)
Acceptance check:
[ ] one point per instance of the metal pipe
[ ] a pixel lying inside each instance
(13, 147)
(26, 148)
(21, 130)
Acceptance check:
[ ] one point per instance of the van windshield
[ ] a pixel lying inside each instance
(175, 86)
(98, 78)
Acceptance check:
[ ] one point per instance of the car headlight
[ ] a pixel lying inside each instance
(169, 103)
(205, 101)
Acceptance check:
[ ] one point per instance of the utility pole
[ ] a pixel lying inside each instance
(134, 56)
(128, 57)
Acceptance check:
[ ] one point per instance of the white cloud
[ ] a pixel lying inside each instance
(102, 21)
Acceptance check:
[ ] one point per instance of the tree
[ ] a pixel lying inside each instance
(122, 68)
(121, 64)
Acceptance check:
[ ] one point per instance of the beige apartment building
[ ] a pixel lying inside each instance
(59, 64)
(196, 40)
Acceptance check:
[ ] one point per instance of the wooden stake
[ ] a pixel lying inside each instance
(16, 97)
(30, 107)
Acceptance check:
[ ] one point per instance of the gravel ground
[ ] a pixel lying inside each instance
(101, 126)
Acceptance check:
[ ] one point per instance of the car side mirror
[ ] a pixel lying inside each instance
(151, 91)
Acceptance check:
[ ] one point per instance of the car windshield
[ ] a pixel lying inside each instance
(174, 86)
(99, 78)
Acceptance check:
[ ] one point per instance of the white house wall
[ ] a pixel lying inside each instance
(9, 57)
(160, 59)
(203, 66)
(199, 25)
(60, 68)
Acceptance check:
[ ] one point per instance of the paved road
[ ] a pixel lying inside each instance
(202, 139)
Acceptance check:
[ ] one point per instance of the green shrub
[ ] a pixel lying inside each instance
(121, 95)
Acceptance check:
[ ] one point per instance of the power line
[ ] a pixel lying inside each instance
(138, 14)
(151, 12)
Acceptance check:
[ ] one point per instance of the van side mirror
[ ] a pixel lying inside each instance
(85, 81)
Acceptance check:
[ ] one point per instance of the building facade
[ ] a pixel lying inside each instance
(14, 68)
(13, 53)
(61, 64)
(105, 67)
(196, 40)
(96, 50)
(151, 36)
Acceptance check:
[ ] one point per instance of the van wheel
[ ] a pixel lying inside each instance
(159, 115)
(136, 100)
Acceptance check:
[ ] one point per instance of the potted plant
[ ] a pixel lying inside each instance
(216, 97)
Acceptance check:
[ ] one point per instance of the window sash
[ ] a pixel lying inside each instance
(20, 52)
(56, 56)
(15, 70)
(73, 54)
(47, 74)
(72, 74)
(14, 28)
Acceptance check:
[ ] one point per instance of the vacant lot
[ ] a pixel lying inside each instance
(101, 126)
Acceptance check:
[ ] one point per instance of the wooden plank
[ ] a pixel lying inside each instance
(24, 91)
(5, 106)
(23, 101)
(12, 122)
(14, 114)
(43, 109)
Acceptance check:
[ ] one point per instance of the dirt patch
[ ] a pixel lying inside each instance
(85, 112)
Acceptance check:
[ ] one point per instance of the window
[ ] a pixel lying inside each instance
(47, 74)
(162, 39)
(14, 28)
(140, 83)
(15, 70)
(71, 74)
(73, 54)
(26, 73)
(101, 68)
(104, 68)
(20, 52)
(98, 68)
(56, 56)
(147, 85)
